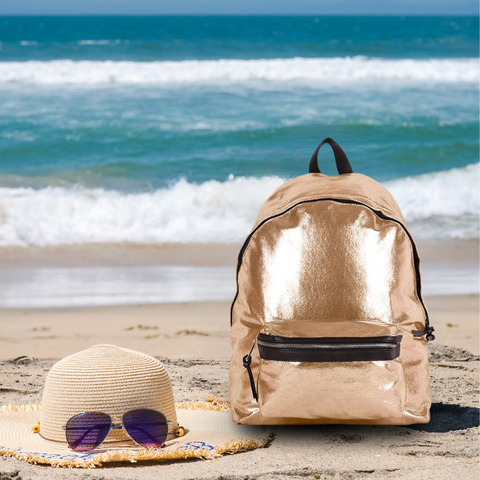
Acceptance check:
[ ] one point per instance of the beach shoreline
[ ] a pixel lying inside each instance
(120, 254)
(176, 328)
(452, 251)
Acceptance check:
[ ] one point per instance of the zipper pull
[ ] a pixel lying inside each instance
(427, 331)
(247, 360)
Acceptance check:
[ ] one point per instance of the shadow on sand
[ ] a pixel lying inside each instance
(446, 417)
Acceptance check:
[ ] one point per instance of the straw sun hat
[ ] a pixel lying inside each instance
(114, 380)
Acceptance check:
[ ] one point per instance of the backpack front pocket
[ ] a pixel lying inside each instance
(341, 378)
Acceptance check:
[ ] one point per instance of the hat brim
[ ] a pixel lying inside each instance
(209, 433)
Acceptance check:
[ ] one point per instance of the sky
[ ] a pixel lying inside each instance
(239, 7)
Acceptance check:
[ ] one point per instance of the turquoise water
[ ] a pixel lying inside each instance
(210, 38)
(152, 129)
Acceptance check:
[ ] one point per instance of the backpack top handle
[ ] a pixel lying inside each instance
(343, 165)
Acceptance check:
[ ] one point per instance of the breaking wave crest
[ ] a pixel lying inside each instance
(327, 70)
(443, 204)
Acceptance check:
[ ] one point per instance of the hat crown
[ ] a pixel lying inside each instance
(108, 379)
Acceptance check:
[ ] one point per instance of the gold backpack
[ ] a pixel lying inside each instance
(328, 324)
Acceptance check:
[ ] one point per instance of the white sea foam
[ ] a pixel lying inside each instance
(210, 212)
(443, 204)
(100, 42)
(450, 192)
(94, 42)
(325, 70)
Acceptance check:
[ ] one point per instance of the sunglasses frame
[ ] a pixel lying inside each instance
(113, 426)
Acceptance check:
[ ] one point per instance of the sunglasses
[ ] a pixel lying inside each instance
(87, 430)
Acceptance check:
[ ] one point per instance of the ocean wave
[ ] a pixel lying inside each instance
(443, 204)
(327, 70)
(449, 193)
(185, 212)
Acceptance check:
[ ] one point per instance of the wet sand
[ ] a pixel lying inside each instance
(193, 254)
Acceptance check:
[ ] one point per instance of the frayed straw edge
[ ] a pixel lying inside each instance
(230, 447)
(210, 404)
(21, 408)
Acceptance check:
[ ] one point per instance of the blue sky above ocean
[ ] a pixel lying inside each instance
(246, 7)
(152, 129)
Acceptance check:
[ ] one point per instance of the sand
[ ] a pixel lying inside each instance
(179, 330)
(192, 339)
(445, 448)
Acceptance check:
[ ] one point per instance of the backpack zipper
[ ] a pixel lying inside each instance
(427, 331)
(328, 349)
(247, 360)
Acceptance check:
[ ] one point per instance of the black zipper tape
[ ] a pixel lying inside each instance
(328, 349)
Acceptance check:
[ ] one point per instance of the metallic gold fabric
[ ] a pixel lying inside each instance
(329, 269)
(310, 390)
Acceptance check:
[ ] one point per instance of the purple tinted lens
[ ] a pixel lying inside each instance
(87, 431)
(148, 428)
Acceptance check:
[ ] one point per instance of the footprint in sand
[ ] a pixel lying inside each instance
(203, 334)
(142, 327)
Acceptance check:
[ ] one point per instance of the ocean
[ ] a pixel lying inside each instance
(155, 129)
(176, 129)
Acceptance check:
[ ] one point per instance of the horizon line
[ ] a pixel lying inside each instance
(237, 15)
